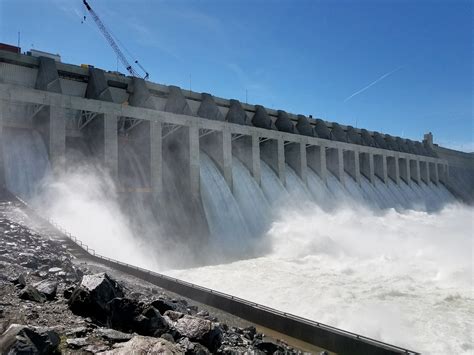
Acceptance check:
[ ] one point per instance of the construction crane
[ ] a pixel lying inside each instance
(121, 57)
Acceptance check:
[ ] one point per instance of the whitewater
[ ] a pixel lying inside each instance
(403, 278)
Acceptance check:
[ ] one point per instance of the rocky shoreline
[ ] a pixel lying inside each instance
(50, 303)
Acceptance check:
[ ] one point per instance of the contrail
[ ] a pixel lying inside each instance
(372, 83)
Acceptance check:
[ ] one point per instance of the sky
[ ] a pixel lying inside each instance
(401, 67)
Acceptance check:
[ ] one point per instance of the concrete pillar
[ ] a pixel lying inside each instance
(57, 139)
(434, 173)
(247, 150)
(156, 159)
(415, 170)
(218, 145)
(295, 156)
(335, 162)
(316, 160)
(50, 121)
(441, 173)
(424, 171)
(380, 167)
(227, 156)
(352, 164)
(404, 170)
(366, 162)
(256, 169)
(393, 169)
(281, 160)
(357, 167)
(194, 170)
(111, 144)
(2, 159)
(273, 152)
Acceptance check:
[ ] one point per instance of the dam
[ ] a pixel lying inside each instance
(207, 171)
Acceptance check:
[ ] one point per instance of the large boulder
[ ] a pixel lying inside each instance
(90, 298)
(200, 330)
(121, 313)
(150, 322)
(30, 293)
(129, 316)
(22, 339)
(48, 288)
(163, 305)
(144, 345)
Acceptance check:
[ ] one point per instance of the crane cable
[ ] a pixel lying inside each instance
(112, 42)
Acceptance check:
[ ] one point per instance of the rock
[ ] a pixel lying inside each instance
(95, 348)
(20, 339)
(92, 295)
(68, 292)
(203, 331)
(78, 332)
(54, 270)
(173, 315)
(249, 332)
(121, 313)
(144, 345)
(113, 335)
(76, 343)
(163, 305)
(268, 347)
(30, 293)
(150, 322)
(202, 313)
(168, 337)
(19, 281)
(48, 288)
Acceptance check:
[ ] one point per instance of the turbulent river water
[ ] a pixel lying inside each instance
(393, 262)
(404, 278)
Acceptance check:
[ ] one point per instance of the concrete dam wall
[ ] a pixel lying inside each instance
(201, 165)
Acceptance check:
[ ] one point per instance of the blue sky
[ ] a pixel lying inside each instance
(401, 67)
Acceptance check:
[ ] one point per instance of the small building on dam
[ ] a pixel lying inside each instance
(159, 142)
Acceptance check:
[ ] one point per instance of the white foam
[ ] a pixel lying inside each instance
(404, 278)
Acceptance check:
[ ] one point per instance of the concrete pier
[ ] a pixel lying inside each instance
(335, 162)
(272, 151)
(404, 168)
(415, 170)
(367, 166)
(380, 167)
(393, 170)
(3, 106)
(352, 164)
(316, 160)
(295, 156)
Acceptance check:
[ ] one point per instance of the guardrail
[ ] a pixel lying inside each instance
(313, 332)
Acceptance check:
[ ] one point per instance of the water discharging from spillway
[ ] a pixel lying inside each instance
(389, 261)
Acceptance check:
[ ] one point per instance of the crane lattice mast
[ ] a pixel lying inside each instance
(113, 44)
